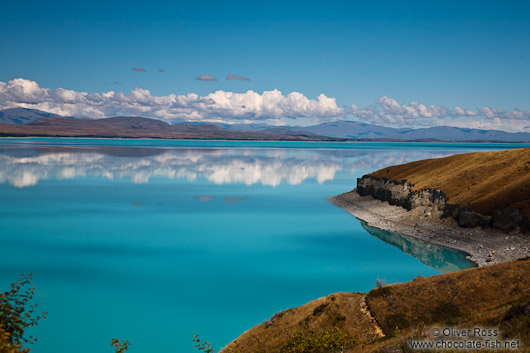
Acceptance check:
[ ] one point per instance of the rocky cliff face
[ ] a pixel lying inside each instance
(434, 201)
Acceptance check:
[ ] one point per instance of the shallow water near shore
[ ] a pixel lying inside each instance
(440, 258)
(155, 241)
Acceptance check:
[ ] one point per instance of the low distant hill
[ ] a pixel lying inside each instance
(330, 131)
(21, 116)
(353, 130)
(138, 127)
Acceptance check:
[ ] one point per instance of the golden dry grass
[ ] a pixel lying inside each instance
(339, 310)
(485, 182)
(478, 296)
(455, 298)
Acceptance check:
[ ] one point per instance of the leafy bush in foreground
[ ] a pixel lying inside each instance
(17, 314)
(120, 347)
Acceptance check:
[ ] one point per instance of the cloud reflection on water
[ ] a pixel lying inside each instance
(26, 166)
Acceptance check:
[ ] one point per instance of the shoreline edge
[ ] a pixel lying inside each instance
(484, 246)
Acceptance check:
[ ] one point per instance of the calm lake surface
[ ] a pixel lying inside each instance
(155, 241)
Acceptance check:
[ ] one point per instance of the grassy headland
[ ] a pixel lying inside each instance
(485, 182)
(495, 297)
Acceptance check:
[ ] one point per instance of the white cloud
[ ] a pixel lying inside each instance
(465, 112)
(272, 107)
(218, 106)
(387, 111)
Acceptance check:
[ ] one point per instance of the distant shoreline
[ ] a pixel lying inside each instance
(342, 141)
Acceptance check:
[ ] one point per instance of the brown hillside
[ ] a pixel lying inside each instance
(496, 296)
(485, 182)
(138, 127)
(338, 316)
(455, 298)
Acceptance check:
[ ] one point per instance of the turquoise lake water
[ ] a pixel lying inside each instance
(155, 241)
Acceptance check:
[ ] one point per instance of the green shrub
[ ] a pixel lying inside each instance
(120, 347)
(202, 346)
(320, 309)
(17, 313)
(331, 340)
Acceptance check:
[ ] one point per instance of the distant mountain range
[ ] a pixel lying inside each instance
(131, 127)
(357, 130)
(32, 122)
(361, 131)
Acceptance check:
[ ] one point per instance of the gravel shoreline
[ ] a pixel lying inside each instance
(484, 246)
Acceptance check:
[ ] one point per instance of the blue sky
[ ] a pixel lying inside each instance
(468, 54)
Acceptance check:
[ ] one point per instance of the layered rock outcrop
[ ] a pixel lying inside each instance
(434, 202)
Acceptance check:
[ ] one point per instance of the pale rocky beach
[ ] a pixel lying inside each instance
(484, 246)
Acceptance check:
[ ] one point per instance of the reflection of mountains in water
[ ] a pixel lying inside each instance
(435, 256)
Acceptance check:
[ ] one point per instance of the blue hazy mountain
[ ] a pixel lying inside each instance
(359, 130)
(22, 116)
